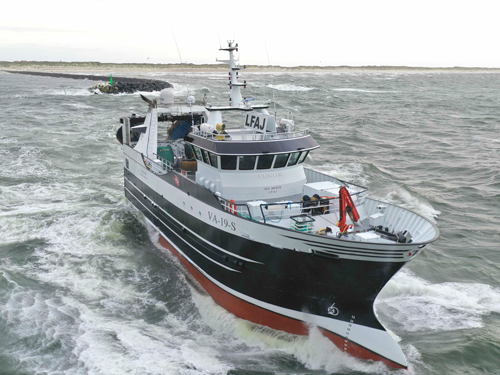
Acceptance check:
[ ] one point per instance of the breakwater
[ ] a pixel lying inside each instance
(120, 84)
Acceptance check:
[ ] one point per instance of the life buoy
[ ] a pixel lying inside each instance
(232, 207)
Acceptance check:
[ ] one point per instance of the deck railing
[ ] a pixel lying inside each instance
(315, 176)
(159, 166)
(240, 209)
(274, 212)
(285, 210)
(162, 166)
(250, 136)
(249, 104)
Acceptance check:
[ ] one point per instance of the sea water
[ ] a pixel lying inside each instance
(86, 289)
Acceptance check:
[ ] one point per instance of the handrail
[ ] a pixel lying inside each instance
(246, 105)
(239, 209)
(153, 166)
(165, 162)
(320, 176)
(162, 169)
(250, 136)
(315, 207)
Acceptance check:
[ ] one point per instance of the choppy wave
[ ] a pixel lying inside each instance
(83, 289)
(365, 91)
(403, 198)
(289, 87)
(351, 172)
(421, 306)
(63, 91)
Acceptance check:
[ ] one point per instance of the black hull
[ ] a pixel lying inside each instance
(288, 279)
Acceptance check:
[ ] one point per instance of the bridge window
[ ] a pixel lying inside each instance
(247, 162)
(265, 161)
(293, 158)
(228, 162)
(281, 160)
(206, 159)
(213, 159)
(303, 156)
(197, 153)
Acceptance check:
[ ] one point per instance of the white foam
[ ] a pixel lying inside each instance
(418, 305)
(66, 91)
(365, 91)
(23, 163)
(289, 87)
(350, 172)
(38, 210)
(182, 90)
(90, 309)
(118, 346)
(355, 173)
(315, 351)
(402, 197)
(80, 106)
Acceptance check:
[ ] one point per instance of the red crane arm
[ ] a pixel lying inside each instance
(346, 206)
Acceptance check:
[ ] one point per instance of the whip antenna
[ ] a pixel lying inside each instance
(180, 57)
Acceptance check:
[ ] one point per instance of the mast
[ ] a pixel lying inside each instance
(234, 86)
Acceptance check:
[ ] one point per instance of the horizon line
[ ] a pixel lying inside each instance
(248, 66)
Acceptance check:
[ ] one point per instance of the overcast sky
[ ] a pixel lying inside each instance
(348, 32)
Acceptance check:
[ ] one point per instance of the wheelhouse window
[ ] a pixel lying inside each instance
(265, 161)
(293, 158)
(303, 156)
(213, 159)
(228, 162)
(281, 160)
(247, 162)
(206, 159)
(197, 153)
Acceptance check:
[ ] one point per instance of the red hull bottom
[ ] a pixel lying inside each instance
(255, 314)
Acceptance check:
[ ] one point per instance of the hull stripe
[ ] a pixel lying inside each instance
(356, 250)
(312, 242)
(193, 233)
(350, 252)
(186, 242)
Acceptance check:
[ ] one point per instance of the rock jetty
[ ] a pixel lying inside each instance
(120, 84)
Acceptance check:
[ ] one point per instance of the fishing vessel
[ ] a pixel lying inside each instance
(270, 239)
